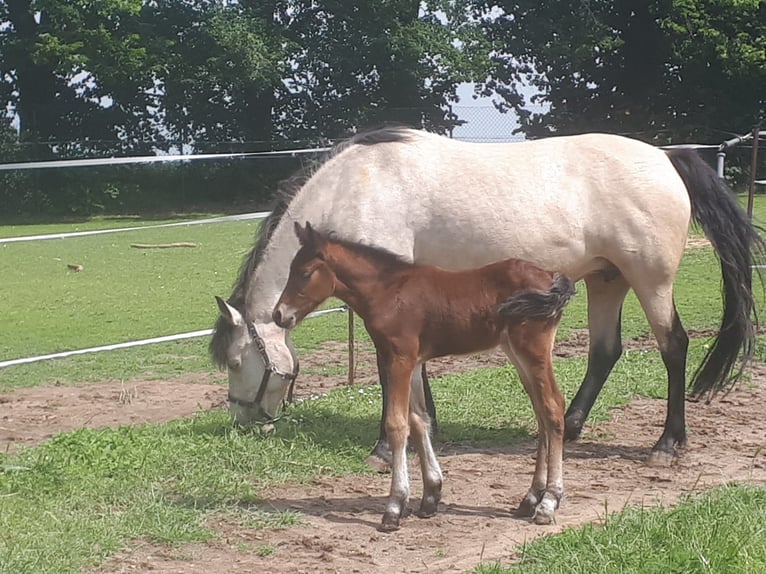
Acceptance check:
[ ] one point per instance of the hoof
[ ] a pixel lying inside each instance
(389, 523)
(572, 430)
(427, 509)
(377, 464)
(543, 518)
(661, 458)
(526, 508)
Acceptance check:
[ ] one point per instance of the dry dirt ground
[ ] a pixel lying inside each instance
(606, 470)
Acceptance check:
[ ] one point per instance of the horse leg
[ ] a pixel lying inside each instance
(660, 309)
(430, 406)
(429, 465)
(397, 429)
(529, 348)
(606, 294)
(380, 457)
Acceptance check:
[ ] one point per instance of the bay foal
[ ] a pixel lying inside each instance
(415, 313)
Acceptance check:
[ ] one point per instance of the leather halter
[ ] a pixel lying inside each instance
(269, 369)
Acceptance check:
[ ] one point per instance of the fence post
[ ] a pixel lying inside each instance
(351, 365)
(753, 169)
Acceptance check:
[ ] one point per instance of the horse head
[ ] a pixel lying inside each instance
(259, 381)
(311, 280)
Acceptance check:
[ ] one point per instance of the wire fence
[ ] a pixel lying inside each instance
(481, 124)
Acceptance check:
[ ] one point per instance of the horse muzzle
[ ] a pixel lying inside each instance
(284, 317)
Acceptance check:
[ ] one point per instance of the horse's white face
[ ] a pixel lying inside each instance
(246, 367)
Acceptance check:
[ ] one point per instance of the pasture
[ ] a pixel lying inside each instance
(193, 494)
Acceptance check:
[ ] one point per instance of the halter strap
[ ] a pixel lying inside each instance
(269, 369)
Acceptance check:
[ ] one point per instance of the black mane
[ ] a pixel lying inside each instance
(221, 337)
(383, 258)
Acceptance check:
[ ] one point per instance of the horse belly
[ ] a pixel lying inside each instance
(454, 340)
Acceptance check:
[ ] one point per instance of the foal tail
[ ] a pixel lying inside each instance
(739, 247)
(536, 305)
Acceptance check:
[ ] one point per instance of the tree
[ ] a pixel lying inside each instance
(662, 69)
(361, 64)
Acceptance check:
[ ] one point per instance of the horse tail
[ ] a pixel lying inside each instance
(538, 305)
(738, 247)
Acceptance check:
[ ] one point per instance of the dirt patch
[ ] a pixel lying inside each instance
(605, 471)
(31, 415)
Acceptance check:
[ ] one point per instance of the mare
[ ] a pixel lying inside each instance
(414, 313)
(612, 211)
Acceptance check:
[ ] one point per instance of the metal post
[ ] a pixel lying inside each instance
(721, 155)
(753, 169)
(351, 345)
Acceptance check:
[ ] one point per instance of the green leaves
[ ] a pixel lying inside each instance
(659, 70)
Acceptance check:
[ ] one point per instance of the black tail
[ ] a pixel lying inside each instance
(739, 247)
(539, 305)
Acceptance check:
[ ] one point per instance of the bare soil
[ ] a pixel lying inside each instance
(604, 471)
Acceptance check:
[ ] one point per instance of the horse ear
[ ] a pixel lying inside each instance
(232, 316)
(301, 233)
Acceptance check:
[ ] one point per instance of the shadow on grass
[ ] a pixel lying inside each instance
(334, 431)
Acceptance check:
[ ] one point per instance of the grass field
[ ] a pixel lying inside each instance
(67, 504)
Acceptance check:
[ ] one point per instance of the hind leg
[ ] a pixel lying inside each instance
(673, 341)
(529, 348)
(606, 293)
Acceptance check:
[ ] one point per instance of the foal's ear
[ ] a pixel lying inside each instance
(306, 235)
(302, 233)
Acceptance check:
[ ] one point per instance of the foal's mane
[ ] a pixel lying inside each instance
(288, 190)
(385, 260)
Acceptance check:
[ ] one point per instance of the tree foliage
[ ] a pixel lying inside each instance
(85, 77)
(661, 69)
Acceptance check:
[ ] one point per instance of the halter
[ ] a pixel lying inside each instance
(269, 369)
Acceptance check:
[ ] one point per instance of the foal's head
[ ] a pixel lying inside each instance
(311, 280)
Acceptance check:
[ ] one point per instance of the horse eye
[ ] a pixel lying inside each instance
(308, 273)
(235, 364)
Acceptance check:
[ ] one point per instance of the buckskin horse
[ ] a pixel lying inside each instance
(612, 211)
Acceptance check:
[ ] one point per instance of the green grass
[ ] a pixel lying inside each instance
(718, 531)
(85, 494)
(123, 294)
(67, 504)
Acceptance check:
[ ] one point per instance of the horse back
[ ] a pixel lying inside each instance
(455, 312)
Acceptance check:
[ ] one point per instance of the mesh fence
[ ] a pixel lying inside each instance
(486, 124)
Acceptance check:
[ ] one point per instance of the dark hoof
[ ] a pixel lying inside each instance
(427, 509)
(526, 509)
(572, 429)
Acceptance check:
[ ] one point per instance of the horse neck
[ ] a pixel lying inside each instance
(268, 280)
(361, 280)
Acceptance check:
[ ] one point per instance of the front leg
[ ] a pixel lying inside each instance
(380, 457)
(397, 429)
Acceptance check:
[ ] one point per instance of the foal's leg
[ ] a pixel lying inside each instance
(397, 428)
(606, 294)
(429, 465)
(531, 346)
(380, 457)
(536, 491)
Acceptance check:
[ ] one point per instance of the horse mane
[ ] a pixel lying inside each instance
(384, 259)
(288, 190)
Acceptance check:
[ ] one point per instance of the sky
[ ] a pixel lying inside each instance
(484, 123)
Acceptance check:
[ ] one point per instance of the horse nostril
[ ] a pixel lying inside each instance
(277, 316)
